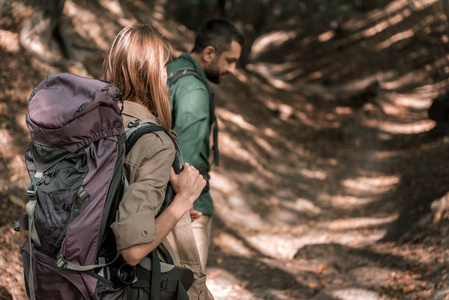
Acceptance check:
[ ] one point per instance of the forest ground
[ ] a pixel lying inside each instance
(332, 183)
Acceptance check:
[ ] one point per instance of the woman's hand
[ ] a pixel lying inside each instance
(188, 184)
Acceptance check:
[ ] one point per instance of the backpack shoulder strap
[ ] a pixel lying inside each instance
(175, 76)
(134, 130)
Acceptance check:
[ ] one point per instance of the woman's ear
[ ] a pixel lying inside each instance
(209, 54)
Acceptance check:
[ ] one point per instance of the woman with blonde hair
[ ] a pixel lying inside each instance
(135, 63)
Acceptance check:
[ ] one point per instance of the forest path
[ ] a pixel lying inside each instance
(313, 220)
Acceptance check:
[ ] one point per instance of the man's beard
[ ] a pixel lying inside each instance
(213, 72)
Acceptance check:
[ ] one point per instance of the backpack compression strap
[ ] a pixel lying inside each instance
(32, 233)
(173, 77)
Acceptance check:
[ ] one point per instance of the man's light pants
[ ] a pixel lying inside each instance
(202, 230)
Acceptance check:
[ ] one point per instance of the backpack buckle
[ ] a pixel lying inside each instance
(61, 262)
(35, 182)
(16, 225)
(133, 123)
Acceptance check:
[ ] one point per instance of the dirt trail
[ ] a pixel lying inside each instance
(315, 234)
(349, 163)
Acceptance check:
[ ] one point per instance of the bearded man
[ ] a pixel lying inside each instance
(218, 45)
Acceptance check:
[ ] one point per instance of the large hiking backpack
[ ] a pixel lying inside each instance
(75, 160)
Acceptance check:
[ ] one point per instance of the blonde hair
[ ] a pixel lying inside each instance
(135, 63)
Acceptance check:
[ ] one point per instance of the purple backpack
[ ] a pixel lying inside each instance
(75, 162)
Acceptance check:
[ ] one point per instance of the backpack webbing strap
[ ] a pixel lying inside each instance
(63, 263)
(173, 77)
(155, 276)
(31, 206)
(32, 232)
(30, 273)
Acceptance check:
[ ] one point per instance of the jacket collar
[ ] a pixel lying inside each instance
(195, 65)
(137, 111)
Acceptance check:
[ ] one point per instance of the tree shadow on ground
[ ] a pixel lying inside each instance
(384, 271)
(263, 278)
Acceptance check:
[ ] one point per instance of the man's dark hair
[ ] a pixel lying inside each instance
(218, 33)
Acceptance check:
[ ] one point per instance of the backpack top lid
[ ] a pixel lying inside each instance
(70, 111)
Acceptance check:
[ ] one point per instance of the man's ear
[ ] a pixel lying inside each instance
(209, 54)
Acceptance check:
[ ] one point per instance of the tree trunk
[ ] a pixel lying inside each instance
(41, 34)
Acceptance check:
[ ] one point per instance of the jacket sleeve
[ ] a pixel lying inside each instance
(192, 120)
(147, 168)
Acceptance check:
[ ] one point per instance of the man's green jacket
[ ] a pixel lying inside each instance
(189, 101)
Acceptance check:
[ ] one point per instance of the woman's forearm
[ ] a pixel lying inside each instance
(188, 186)
(165, 223)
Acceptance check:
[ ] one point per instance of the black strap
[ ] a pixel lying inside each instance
(173, 77)
(155, 276)
(148, 128)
